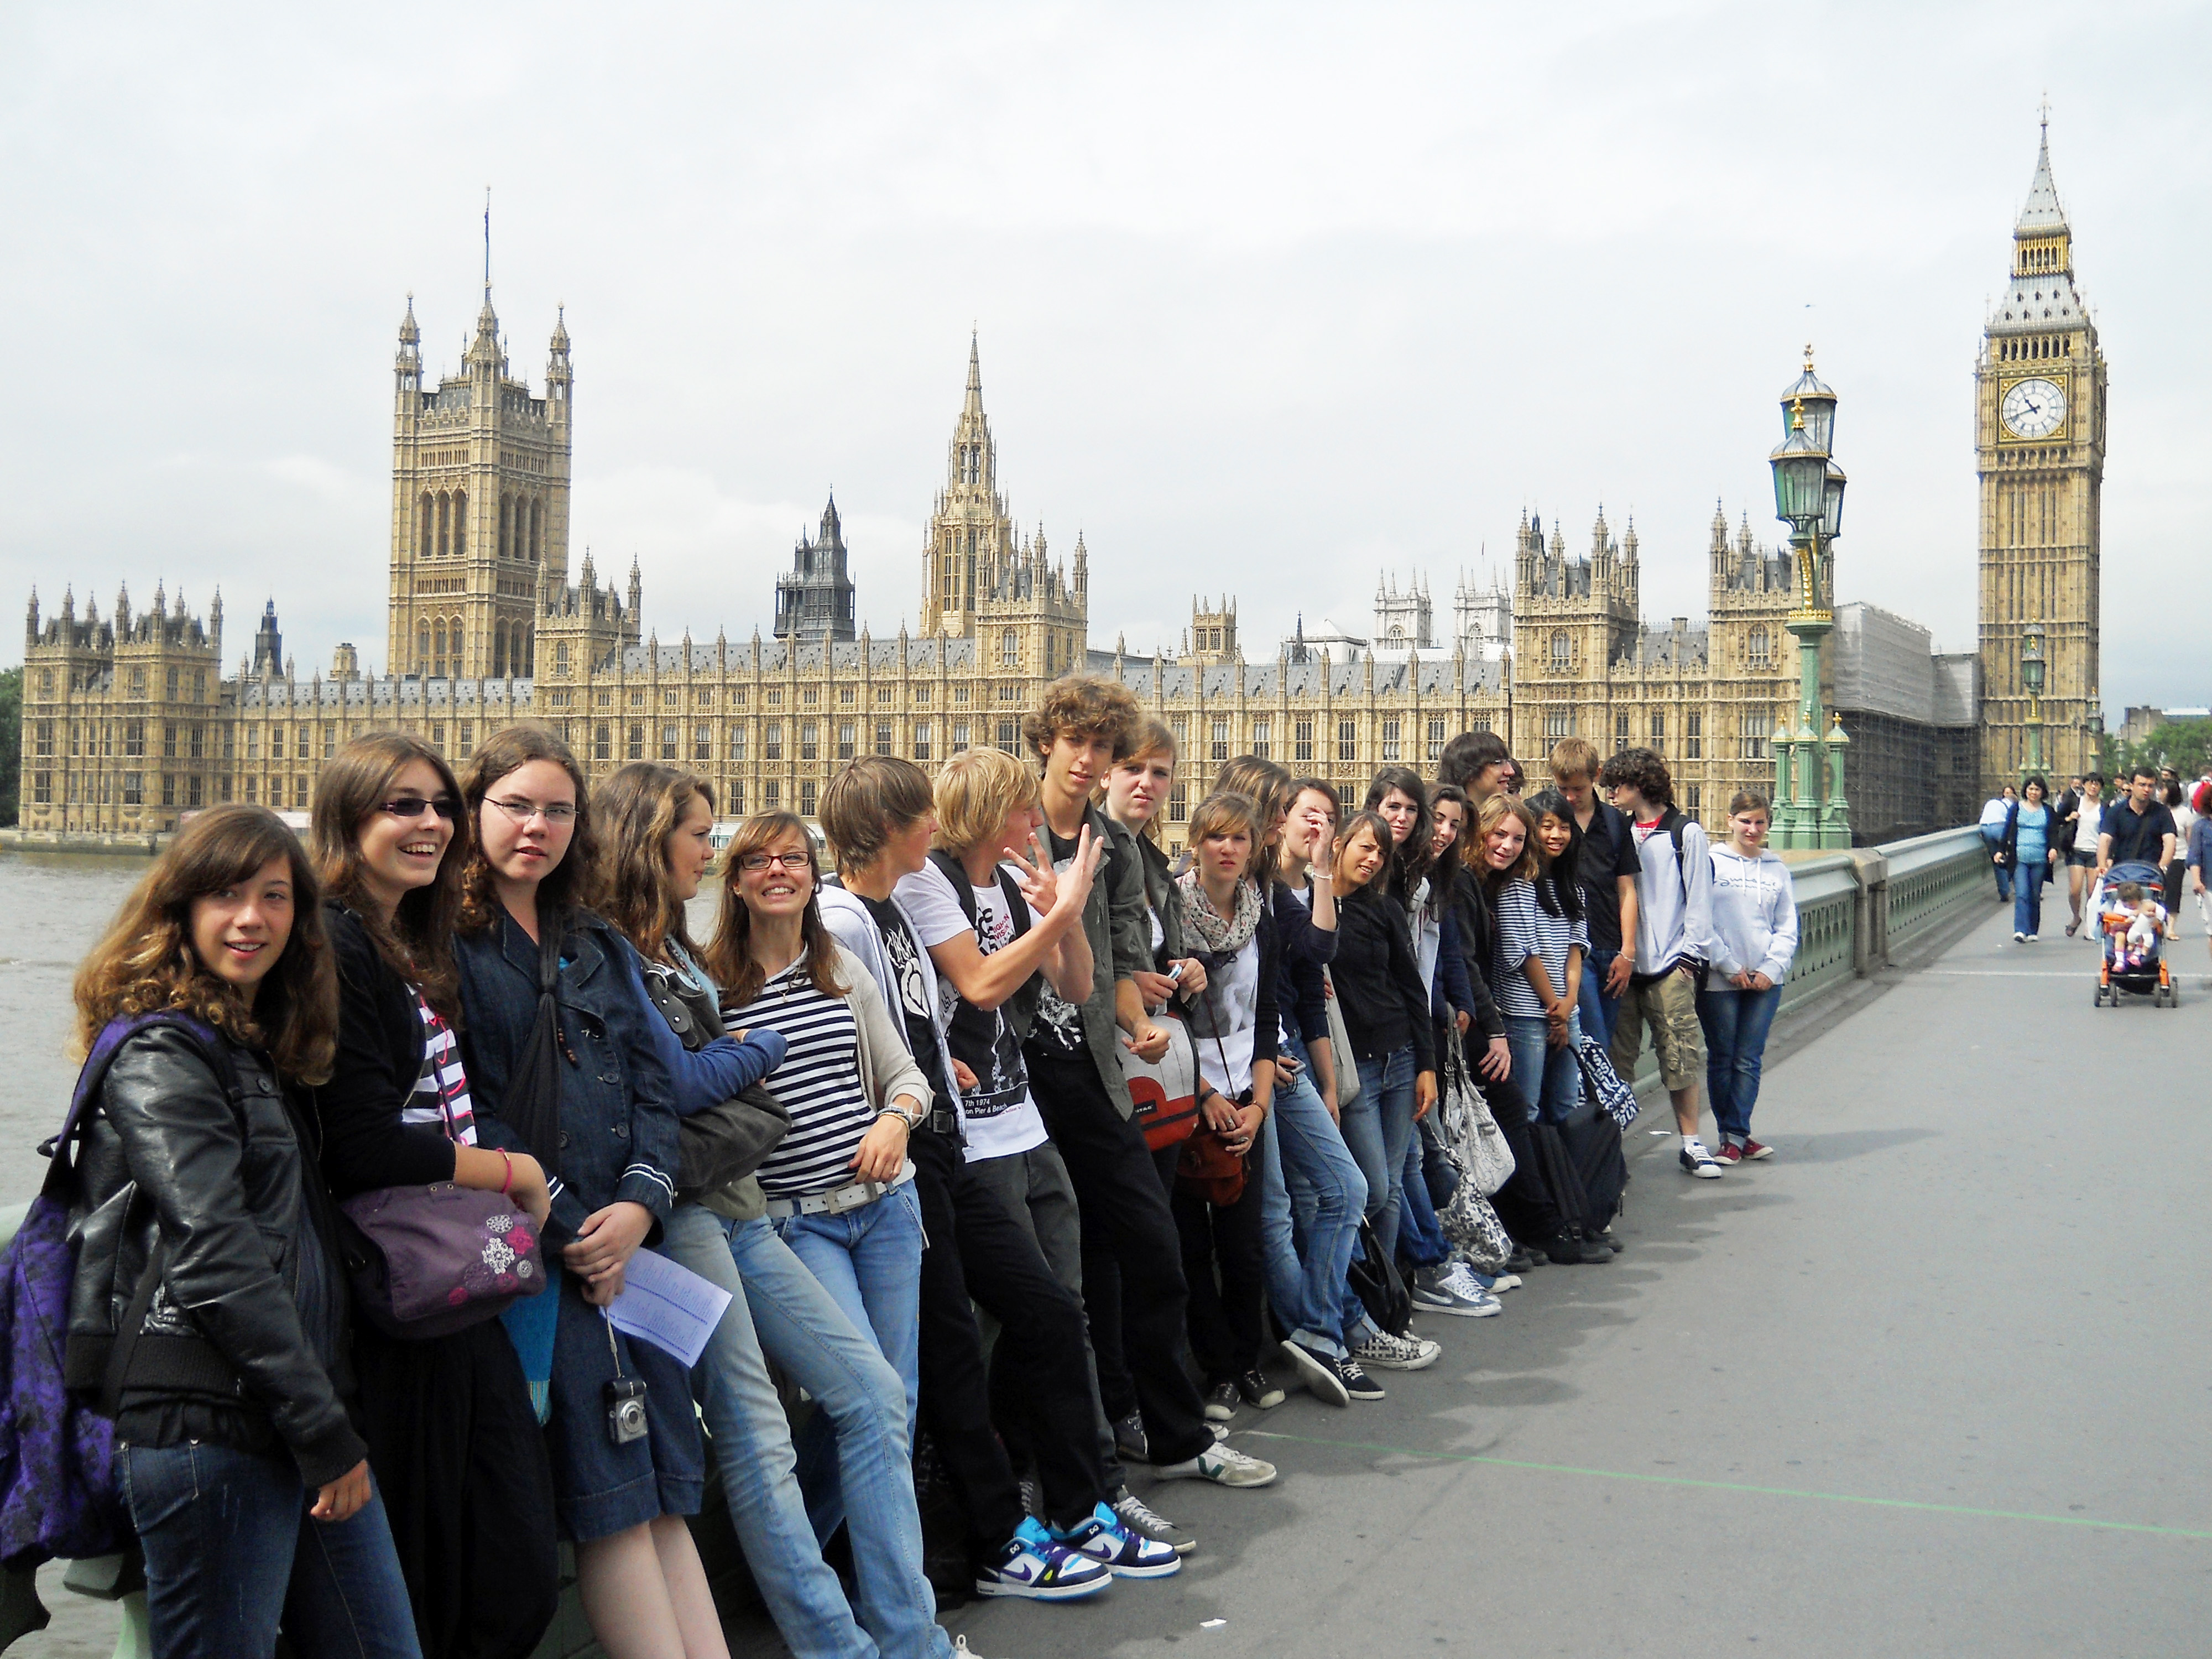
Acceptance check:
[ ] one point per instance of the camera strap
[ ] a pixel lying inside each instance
(608, 1320)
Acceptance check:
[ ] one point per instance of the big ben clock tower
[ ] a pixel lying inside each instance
(2039, 450)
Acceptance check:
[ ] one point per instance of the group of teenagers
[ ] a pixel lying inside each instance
(964, 1234)
(2151, 818)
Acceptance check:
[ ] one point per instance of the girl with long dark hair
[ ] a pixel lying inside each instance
(452, 1433)
(208, 1314)
(610, 1139)
(1541, 939)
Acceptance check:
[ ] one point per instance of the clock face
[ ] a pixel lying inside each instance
(2033, 408)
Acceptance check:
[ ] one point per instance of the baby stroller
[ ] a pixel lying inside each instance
(2118, 971)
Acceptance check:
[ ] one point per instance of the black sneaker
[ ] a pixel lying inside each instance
(1523, 1260)
(1319, 1372)
(1129, 1439)
(1221, 1402)
(1566, 1250)
(1357, 1383)
(1257, 1391)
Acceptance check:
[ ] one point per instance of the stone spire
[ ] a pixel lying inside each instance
(2042, 215)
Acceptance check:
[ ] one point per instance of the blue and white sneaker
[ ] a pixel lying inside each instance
(1038, 1566)
(1102, 1537)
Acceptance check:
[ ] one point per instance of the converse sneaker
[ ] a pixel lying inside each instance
(1697, 1161)
(1129, 1439)
(1225, 1466)
(1258, 1392)
(1730, 1154)
(1397, 1354)
(1753, 1149)
(1102, 1537)
(1037, 1567)
(1318, 1371)
(1141, 1518)
(1448, 1290)
(1221, 1402)
(1358, 1385)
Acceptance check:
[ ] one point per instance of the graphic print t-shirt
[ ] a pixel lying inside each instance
(997, 1115)
(1059, 1023)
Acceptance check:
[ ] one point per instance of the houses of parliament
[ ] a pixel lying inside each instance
(130, 720)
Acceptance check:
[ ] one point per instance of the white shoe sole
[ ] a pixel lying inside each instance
(1427, 1359)
(1030, 1592)
(1322, 1381)
(1461, 1309)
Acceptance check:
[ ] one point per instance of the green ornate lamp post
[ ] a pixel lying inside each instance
(2031, 680)
(1811, 810)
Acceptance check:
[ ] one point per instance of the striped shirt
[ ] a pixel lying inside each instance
(1525, 929)
(819, 1083)
(440, 1095)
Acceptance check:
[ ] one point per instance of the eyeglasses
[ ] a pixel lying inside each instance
(756, 862)
(413, 806)
(559, 814)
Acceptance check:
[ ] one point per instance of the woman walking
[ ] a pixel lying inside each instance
(1755, 939)
(2027, 851)
(210, 1298)
(529, 942)
(452, 1433)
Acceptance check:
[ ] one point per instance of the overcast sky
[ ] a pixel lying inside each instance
(1271, 299)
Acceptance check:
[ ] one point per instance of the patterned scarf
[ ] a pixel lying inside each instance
(1226, 936)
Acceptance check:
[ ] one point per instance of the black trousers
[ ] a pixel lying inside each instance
(1126, 1215)
(1224, 1316)
(457, 1454)
(1101, 1300)
(978, 1251)
(1525, 1204)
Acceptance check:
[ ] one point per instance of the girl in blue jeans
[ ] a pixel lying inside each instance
(657, 821)
(1755, 939)
(1529, 859)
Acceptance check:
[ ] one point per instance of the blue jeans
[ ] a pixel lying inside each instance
(1549, 1078)
(1376, 1130)
(1599, 1011)
(780, 1311)
(1421, 1240)
(231, 1555)
(2027, 902)
(1301, 1147)
(870, 1261)
(1994, 843)
(1736, 1023)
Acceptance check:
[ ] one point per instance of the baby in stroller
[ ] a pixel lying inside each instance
(2133, 924)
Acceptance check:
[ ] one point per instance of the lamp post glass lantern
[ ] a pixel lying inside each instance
(2031, 680)
(1808, 495)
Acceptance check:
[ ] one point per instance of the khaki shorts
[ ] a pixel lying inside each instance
(1669, 1006)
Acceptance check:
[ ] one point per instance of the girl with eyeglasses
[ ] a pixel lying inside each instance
(451, 1434)
(605, 1126)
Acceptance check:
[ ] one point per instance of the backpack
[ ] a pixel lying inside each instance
(59, 1495)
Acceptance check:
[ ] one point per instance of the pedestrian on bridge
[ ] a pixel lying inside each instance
(1755, 939)
(2027, 850)
(1995, 813)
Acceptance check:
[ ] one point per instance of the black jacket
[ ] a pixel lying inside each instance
(365, 1144)
(1306, 952)
(1379, 983)
(2009, 849)
(245, 1341)
(1478, 944)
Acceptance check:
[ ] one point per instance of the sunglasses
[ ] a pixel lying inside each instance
(413, 806)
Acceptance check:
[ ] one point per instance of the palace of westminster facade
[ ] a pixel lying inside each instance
(129, 721)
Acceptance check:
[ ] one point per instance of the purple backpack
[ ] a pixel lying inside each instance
(58, 1492)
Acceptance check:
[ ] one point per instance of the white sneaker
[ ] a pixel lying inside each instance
(1697, 1161)
(1225, 1466)
(1387, 1352)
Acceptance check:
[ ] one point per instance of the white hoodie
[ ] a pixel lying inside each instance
(1755, 915)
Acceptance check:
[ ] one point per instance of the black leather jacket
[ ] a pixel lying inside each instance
(243, 1338)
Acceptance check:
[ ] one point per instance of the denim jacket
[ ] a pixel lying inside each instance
(618, 1134)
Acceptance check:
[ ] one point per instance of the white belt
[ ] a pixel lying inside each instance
(859, 1195)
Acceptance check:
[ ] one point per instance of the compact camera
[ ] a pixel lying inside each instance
(625, 1410)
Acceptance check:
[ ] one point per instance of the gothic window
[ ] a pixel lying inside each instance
(702, 743)
(1558, 723)
(1263, 732)
(1757, 727)
(1562, 651)
(771, 795)
(168, 740)
(1009, 731)
(1009, 649)
(1693, 737)
(772, 741)
(1218, 749)
(1659, 732)
(1302, 740)
(429, 524)
(445, 523)
(810, 740)
(499, 649)
(848, 739)
(170, 684)
(1435, 736)
(137, 682)
(806, 798)
(43, 744)
(959, 736)
(670, 743)
(460, 522)
(1397, 638)
(738, 796)
(438, 648)
(1389, 740)
(276, 743)
(1348, 741)
(505, 515)
(883, 737)
(455, 634)
(736, 742)
(636, 745)
(1621, 729)
(1759, 649)
(922, 740)
(529, 650)
(536, 529)
(1178, 803)
(1697, 802)
(465, 742)
(422, 647)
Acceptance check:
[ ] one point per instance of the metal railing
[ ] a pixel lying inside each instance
(1853, 910)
